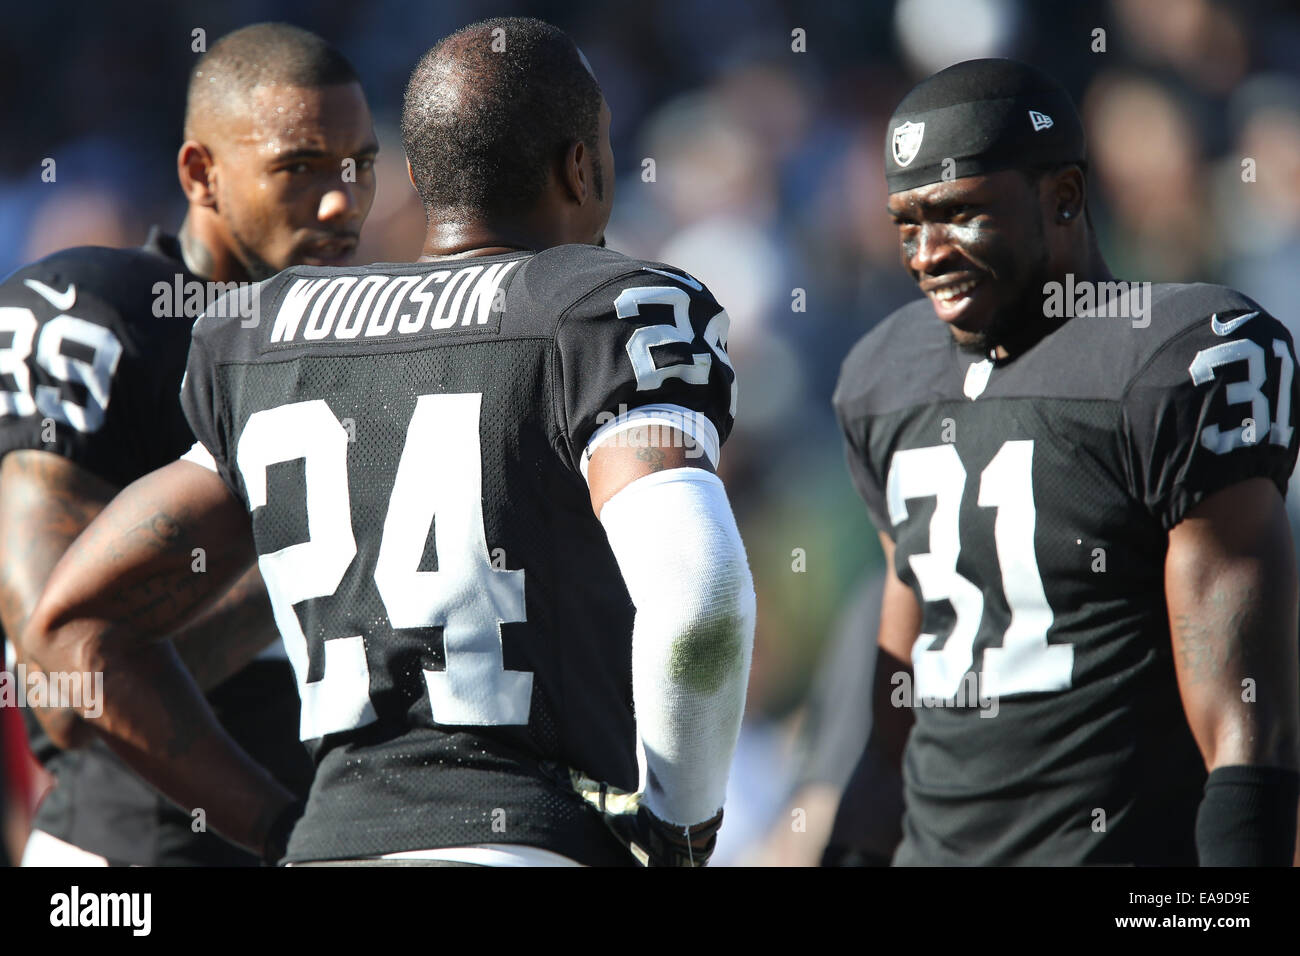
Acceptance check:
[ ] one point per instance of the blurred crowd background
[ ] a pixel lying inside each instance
(768, 186)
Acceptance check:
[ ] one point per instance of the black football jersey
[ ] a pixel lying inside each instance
(1030, 502)
(87, 371)
(92, 352)
(409, 440)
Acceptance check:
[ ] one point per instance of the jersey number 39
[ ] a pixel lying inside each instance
(94, 374)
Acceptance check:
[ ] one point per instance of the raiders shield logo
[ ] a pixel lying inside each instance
(977, 379)
(907, 142)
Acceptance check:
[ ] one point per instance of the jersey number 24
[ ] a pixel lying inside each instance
(439, 473)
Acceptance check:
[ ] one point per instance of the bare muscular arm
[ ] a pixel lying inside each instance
(45, 502)
(900, 626)
(125, 584)
(1230, 581)
(871, 804)
(1231, 589)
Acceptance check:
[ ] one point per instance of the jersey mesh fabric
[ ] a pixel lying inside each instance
(551, 364)
(1095, 764)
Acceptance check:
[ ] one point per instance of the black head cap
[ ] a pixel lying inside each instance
(977, 117)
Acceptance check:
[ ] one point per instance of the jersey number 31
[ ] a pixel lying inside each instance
(1025, 663)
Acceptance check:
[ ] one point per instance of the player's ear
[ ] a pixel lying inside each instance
(410, 174)
(576, 175)
(194, 167)
(1068, 193)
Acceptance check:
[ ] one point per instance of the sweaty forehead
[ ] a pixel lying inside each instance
(280, 118)
(985, 188)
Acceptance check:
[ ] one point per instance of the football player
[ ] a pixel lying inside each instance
(96, 348)
(1078, 484)
(481, 491)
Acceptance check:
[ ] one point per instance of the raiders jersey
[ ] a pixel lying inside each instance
(410, 440)
(92, 351)
(1030, 502)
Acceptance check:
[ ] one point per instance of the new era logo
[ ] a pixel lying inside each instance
(1041, 121)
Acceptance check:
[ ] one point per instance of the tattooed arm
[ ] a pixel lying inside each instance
(222, 640)
(45, 502)
(636, 453)
(123, 585)
(1230, 583)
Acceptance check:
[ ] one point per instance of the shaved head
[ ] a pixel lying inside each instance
(491, 110)
(262, 55)
(278, 158)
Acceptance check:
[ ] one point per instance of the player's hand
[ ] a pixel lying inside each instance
(656, 843)
(650, 840)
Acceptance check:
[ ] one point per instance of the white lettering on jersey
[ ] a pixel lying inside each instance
(291, 309)
(338, 308)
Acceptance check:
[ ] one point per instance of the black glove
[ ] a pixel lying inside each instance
(655, 842)
(650, 840)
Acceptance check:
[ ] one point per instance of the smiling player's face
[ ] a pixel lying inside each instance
(295, 176)
(975, 247)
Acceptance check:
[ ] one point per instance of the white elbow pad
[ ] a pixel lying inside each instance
(684, 565)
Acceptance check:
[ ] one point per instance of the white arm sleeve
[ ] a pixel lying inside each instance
(700, 437)
(677, 544)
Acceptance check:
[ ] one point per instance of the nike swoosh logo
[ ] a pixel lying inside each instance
(672, 275)
(60, 300)
(1226, 328)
